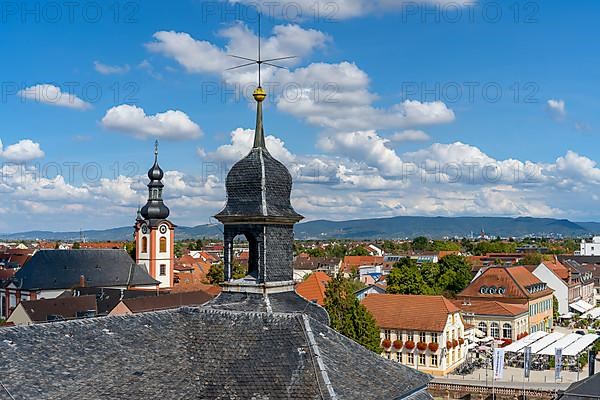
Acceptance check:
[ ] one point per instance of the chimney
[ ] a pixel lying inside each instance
(82, 281)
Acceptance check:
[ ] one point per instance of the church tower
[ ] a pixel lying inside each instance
(258, 208)
(154, 234)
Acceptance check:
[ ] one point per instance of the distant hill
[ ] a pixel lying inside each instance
(376, 228)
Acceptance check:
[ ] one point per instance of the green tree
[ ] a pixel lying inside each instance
(215, 274)
(532, 259)
(239, 270)
(406, 278)
(358, 251)
(178, 249)
(348, 316)
(76, 246)
(555, 312)
(420, 243)
(336, 250)
(130, 248)
(455, 274)
(316, 252)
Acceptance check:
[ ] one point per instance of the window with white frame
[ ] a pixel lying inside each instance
(434, 360)
(507, 331)
(495, 330)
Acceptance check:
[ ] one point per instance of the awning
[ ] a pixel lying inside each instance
(580, 345)
(568, 315)
(594, 313)
(581, 306)
(544, 342)
(471, 346)
(562, 343)
(526, 341)
(479, 333)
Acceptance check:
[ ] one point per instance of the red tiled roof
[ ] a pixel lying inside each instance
(411, 312)
(353, 262)
(102, 245)
(486, 307)
(560, 270)
(514, 279)
(194, 287)
(313, 287)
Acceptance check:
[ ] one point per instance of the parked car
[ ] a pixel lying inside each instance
(580, 332)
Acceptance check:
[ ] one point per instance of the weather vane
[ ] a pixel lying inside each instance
(259, 61)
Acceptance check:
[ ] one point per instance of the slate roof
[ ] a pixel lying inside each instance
(166, 301)
(107, 299)
(586, 389)
(62, 269)
(259, 186)
(285, 302)
(411, 312)
(217, 355)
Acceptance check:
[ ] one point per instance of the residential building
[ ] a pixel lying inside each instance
(154, 233)
(585, 277)
(568, 287)
(161, 302)
(350, 264)
(313, 287)
(514, 285)
(305, 264)
(589, 247)
(494, 318)
(377, 288)
(49, 310)
(369, 274)
(50, 273)
(374, 250)
(189, 270)
(423, 332)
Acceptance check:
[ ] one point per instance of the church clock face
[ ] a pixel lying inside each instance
(163, 229)
(144, 229)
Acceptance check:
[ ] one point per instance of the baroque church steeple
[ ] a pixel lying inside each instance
(155, 208)
(154, 234)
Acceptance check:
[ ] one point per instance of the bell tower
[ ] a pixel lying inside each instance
(154, 233)
(259, 208)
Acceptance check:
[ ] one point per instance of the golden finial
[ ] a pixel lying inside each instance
(259, 94)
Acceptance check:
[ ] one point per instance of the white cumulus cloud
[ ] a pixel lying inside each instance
(557, 108)
(53, 95)
(410, 135)
(23, 150)
(172, 124)
(105, 69)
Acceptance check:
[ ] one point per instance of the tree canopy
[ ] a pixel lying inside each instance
(348, 316)
(448, 277)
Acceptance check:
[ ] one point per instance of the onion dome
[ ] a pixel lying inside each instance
(155, 207)
(259, 186)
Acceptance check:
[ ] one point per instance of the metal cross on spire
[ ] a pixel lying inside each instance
(259, 61)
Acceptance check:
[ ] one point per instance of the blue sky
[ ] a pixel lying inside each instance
(390, 143)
